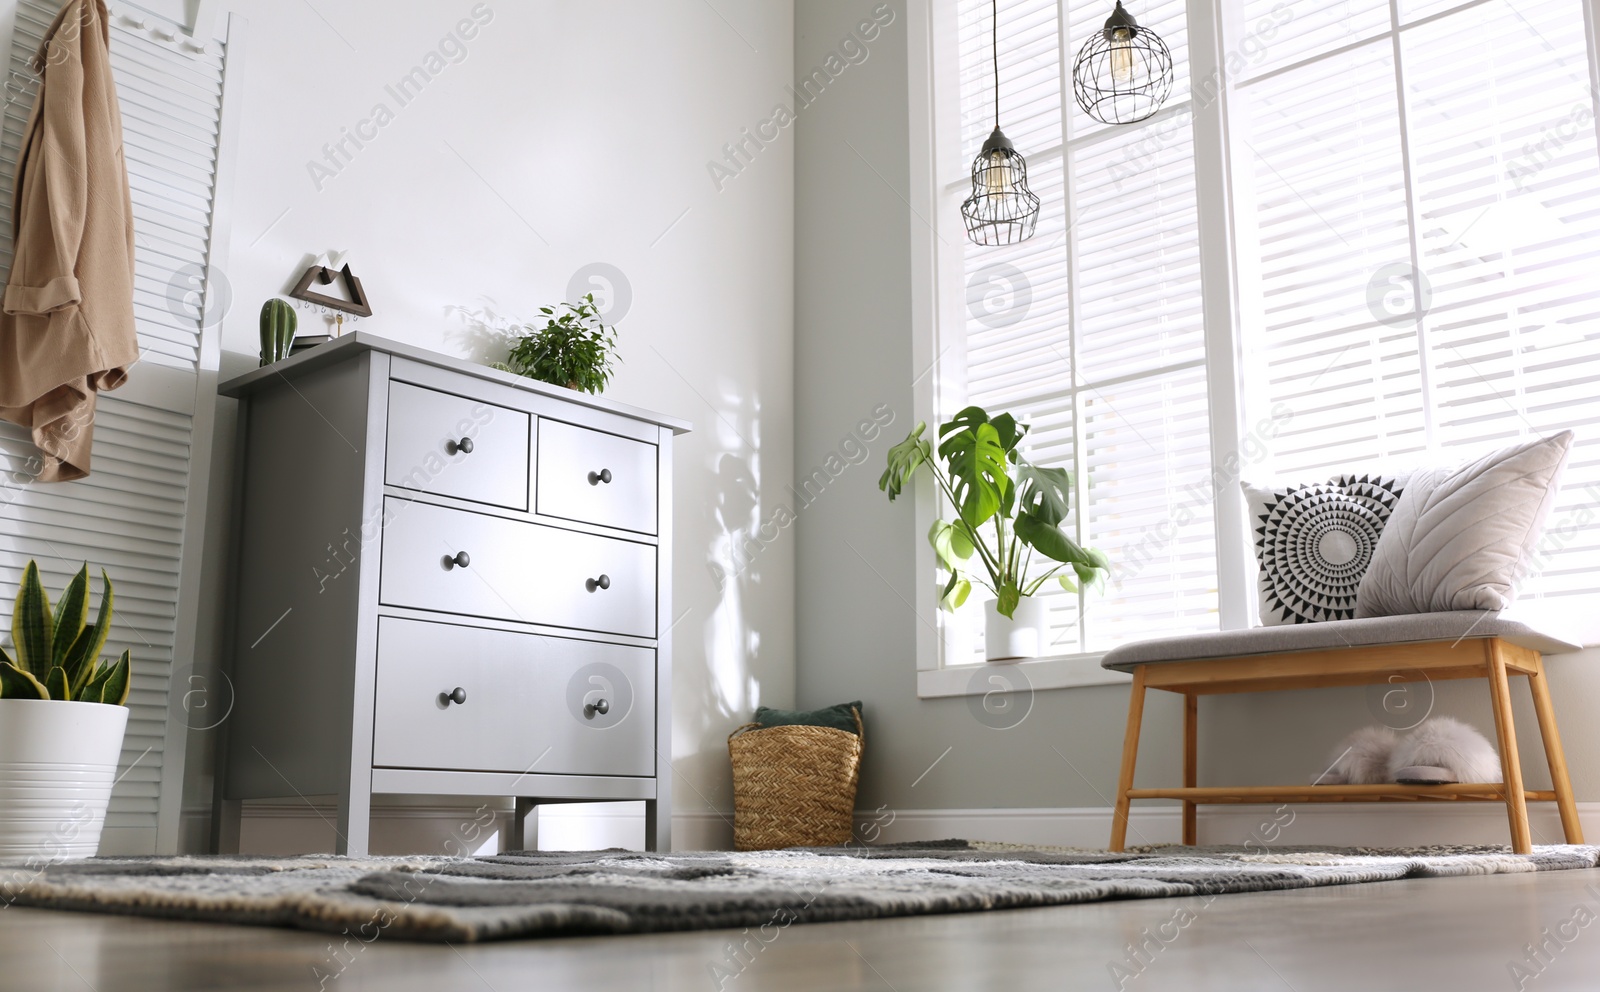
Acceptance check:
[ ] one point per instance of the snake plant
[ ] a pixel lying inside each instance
(58, 653)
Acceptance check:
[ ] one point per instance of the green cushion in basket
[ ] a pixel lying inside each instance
(838, 717)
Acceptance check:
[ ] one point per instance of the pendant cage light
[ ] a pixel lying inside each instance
(1123, 73)
(1002, 210)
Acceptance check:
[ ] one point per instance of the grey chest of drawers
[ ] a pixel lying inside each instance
(447, 581)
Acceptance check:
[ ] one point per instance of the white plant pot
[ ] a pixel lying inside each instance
(58, 761)
(1024, 635)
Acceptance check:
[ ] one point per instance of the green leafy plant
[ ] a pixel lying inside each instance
(987, 480)
(575, 348)
(57, 651)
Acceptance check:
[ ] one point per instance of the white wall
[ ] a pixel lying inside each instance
(566, 134)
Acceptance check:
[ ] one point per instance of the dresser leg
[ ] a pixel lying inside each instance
(355, 819)
(524, 827)
(657, 826)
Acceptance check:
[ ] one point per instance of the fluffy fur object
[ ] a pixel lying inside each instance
(1362, 758)
(1444, 745)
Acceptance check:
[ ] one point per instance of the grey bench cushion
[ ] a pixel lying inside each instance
(1408, 629)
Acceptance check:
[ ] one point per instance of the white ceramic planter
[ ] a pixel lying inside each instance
(58, 762)
(1024, 635)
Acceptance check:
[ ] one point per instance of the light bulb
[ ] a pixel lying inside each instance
(1122, 55)
(998, 174)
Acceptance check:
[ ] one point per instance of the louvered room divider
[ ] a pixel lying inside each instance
(140, 513)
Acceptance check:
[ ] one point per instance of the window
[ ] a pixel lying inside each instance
(1409, 238)
(1092, 332)
(1427, 227)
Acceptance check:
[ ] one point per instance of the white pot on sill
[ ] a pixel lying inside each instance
(1024, 635)
(58, 762)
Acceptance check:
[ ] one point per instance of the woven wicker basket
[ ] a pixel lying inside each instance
(794, 786)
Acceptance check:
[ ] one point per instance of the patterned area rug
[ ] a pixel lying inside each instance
(611, 892)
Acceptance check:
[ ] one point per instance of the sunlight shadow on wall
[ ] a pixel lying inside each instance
(482, 332)
(731, 688)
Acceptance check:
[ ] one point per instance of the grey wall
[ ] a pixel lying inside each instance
(856, 579)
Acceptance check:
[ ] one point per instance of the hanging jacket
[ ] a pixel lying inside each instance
(66, 323)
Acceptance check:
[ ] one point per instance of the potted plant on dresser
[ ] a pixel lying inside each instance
(62, 717)
(574, 349)
(1007, 510)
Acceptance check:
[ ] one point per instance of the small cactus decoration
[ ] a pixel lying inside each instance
(278, 324)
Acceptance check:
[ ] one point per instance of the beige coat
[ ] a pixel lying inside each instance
(67, 327)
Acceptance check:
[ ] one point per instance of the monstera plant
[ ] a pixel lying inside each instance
(1009, 512)
(63, 713)
(58, 653)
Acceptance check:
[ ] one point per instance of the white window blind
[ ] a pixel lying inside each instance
(1427, 217)
(152, 437)
(1091, 332)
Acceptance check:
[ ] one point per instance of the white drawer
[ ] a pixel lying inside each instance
(515, 570)
(453, 446)
(529, 703)
(596, 477)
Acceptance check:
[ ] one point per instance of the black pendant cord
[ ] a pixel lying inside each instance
(1001, 210)
(994, 48)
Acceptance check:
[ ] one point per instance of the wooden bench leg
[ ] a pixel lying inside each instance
(1510, 765)
(1554, 755)
(1191, 768)
(1130, 755)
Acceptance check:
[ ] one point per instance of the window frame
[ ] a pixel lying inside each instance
(938, 320)
(938, 310)
(1577, 617)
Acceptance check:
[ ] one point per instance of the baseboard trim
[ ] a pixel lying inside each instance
(1369, 824)
(277, 829)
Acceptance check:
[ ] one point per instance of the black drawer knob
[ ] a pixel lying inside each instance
(464, 446)
(457, 696)
(599, 706)
(603, 582)
(461, 560)
(604, 475)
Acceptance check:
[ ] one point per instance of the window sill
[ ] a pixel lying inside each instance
(1064, 672)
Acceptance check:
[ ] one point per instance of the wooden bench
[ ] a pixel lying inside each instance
(1430, 646)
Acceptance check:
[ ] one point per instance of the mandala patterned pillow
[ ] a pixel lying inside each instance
(1314, 542)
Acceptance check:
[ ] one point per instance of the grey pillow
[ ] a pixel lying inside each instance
(1459, 539)
(1313, 543)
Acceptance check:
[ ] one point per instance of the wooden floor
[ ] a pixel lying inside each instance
(1456, 934)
